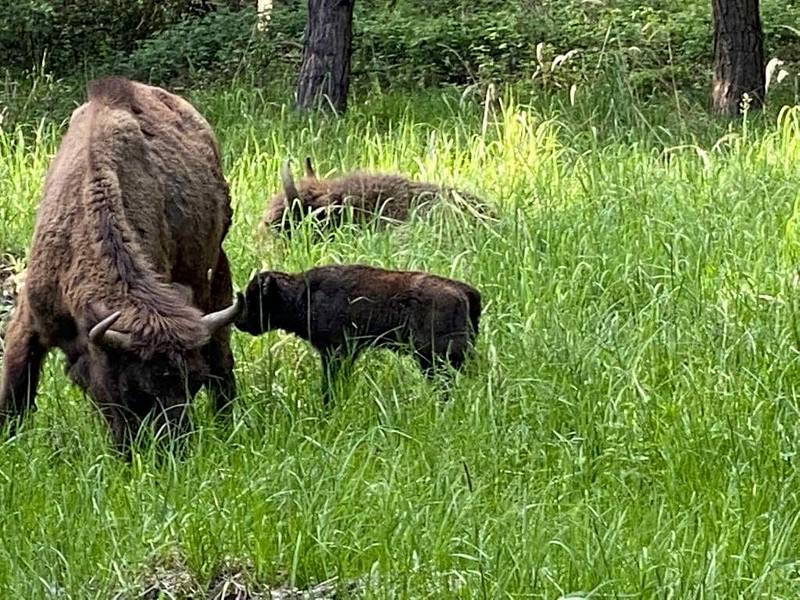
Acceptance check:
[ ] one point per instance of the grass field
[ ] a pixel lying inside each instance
(629, 427)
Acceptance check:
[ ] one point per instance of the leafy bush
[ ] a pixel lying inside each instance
(426, 48)
(217, 43)
(66, 33)
(650, 46)
(645, 47)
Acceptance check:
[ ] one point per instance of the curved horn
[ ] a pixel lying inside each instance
(309, 168)
(222, 318)
(102, 334)
(288, 182)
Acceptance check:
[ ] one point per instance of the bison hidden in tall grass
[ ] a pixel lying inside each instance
(342, 309)
(127, 275)
(379, 198)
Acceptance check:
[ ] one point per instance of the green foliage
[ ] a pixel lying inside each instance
(215, 45)
(24, 25)
(426, 47)
(653, 46)
(69, 33)
(628, 427)
(647, 47)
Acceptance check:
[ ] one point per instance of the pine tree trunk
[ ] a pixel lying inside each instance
(325, 72)
(738, 56)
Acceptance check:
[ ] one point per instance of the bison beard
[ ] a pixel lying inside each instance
(127, 275)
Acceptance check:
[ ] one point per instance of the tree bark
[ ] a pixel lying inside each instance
(738, 56)
(325, 73)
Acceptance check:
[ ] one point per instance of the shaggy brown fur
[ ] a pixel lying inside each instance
(134, 211)
(371, 197)
(342, 309)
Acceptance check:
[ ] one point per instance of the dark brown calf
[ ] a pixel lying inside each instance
(342, 309)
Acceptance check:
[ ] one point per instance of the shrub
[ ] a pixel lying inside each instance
(67, 33)
(213, 45)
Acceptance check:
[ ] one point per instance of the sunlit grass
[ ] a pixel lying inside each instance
(629, 426)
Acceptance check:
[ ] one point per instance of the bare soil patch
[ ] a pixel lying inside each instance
(169, 577)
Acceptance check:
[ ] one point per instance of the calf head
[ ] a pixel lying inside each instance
(265, 303)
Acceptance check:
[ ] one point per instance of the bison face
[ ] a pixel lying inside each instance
(129, 385)
(296, 201)
(161, 382)
(128, 388)
(261, 298)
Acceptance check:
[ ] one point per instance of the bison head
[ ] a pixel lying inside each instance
(272, 300)
(129, 384)
(297, 200)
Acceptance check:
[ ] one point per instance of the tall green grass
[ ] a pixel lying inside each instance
(629, 426)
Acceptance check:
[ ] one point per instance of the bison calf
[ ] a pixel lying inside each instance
(368, 197)
(342, 309)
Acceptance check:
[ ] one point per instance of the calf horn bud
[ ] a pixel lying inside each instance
(288, 182)
(222, 318)
(102, 334)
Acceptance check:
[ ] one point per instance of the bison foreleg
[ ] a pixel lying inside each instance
(22, 363)
(330, 368)
(221, 384)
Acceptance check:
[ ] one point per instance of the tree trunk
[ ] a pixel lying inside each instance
(325, 72)
(738, 56)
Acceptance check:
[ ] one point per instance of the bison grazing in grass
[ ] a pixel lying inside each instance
(368, 197)
(127, 275)
(342, 309)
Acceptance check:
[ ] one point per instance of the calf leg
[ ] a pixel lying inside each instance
(336, 365)
(22, 363)
(221, 383)
(436, 357)
(331, 364)
(434, 367)
(435, 364)
(456, 360)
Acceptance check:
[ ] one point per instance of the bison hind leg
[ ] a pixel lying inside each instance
(22, 364)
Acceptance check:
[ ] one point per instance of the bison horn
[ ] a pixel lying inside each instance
(310, 169)
(102, 334)
(222, 318)
(288, 182)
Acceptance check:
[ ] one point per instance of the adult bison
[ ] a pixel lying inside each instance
(127, 274)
